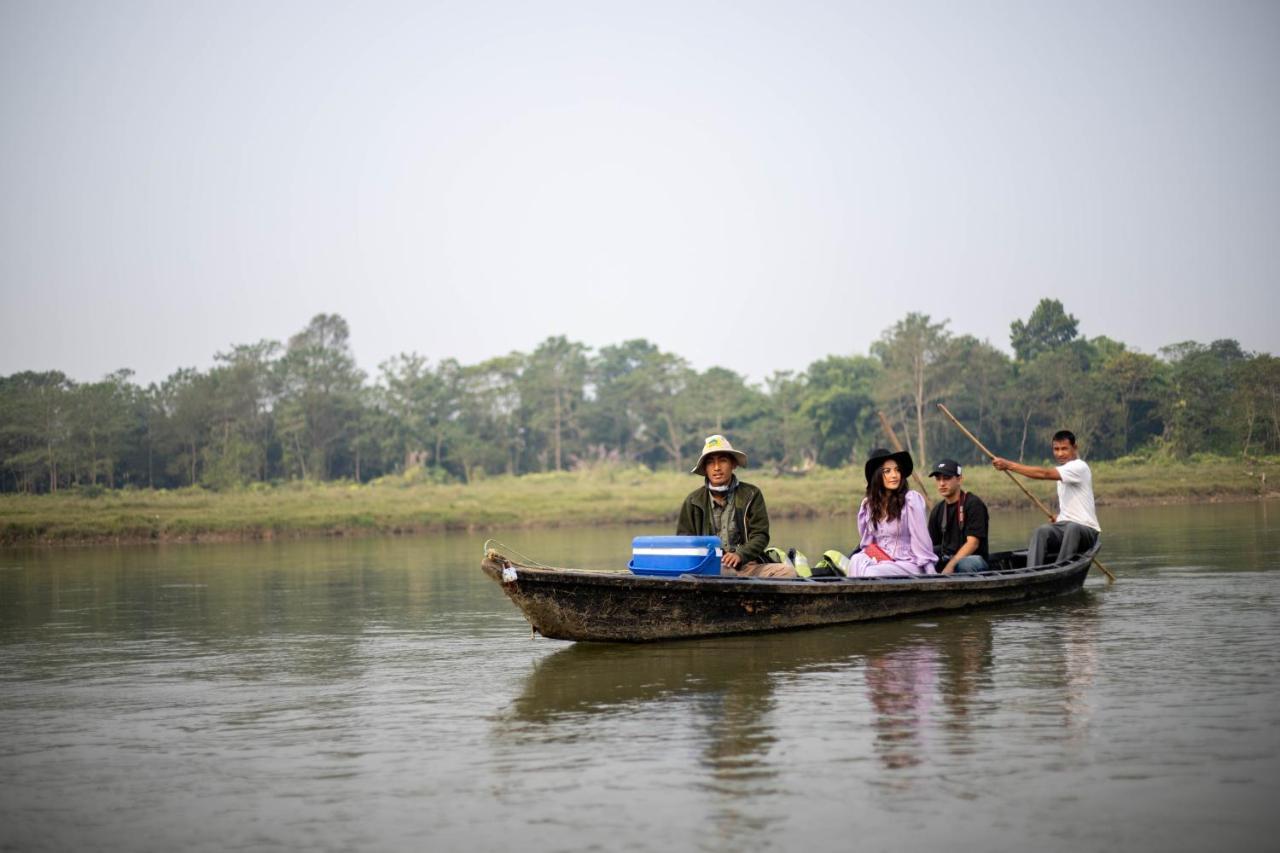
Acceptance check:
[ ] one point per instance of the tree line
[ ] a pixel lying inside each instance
(303, 410)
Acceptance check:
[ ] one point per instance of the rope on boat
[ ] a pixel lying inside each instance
(511, 555)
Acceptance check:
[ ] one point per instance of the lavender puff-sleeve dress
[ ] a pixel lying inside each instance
(906, 539)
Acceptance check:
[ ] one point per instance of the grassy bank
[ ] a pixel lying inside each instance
(607, 495)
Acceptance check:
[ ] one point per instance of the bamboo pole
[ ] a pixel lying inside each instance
(897, 446)
(1048, 512)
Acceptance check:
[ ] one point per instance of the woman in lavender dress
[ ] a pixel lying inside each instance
(893, 520)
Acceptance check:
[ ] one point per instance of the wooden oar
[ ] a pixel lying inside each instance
(897, 446)
(1048, 512)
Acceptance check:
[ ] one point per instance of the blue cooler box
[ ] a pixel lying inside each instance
(669, 556)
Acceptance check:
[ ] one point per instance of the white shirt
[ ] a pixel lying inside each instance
(1075, 494)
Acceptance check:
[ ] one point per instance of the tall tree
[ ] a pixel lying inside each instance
(639, 402)
(722, 400)
(487, 435)
(244, 388)
(375, 445)
(552, 388)
(185, 408)
(1072, 394)
(1034, 385)
(787, 433)
(1258, 393)
(1059, 389)
(1198, 413)
(975, 390)
(1135, 382)
(412, 398)
(839, 401)
(1048, 328)
(319, 398)
(103, 420)
(667, 411)
(912, 352)
(612, 417)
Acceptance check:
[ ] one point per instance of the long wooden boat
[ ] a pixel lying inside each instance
(611, 606)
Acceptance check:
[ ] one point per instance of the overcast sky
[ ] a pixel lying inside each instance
(752, 185)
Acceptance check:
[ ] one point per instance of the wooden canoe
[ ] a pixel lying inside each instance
(608, 606)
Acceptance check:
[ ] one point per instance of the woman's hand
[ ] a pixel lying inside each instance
(730, 560)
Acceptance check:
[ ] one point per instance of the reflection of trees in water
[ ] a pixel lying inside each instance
(966, 671)
(608, 678)
(727, 688)
(738, 741)
(740, 734)
(1061, 661)
(1079, 670)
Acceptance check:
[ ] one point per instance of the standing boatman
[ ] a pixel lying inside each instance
(1075, 528)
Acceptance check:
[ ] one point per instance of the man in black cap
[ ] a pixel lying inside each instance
(958, 523)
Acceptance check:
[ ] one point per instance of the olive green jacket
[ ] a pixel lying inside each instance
(752, 534)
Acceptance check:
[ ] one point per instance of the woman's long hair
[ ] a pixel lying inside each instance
(885, 505)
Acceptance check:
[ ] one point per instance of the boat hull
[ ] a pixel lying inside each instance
(569, 604)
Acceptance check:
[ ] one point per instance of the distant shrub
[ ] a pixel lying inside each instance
(415, 476)
(1210, 458)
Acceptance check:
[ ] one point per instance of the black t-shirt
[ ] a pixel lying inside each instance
(975, 524)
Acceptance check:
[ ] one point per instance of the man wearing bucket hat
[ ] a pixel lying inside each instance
(958, 524)
(892, 528)
(726, 507)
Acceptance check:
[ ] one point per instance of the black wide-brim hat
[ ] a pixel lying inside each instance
(880, 455)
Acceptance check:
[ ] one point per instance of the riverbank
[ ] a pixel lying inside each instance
(609, 495)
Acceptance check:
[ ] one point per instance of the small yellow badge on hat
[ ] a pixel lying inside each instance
(718, 444)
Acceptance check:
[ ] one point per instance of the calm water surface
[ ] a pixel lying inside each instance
(384, 695)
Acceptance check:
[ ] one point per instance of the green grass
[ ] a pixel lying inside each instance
(612, 495)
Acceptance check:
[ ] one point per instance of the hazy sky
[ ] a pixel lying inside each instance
(754, 185)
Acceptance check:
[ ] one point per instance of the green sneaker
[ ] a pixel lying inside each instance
(800, 563)
(838, 560)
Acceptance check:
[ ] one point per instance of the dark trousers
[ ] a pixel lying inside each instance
(1062, 539)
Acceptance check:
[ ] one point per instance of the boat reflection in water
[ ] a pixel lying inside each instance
(935, 673)
(765, 714)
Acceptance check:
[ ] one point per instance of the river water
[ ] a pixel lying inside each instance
(382, 694)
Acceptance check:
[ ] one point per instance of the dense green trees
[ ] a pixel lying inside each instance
(34, 429)
(304, 410)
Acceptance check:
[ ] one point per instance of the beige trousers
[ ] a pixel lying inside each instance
(760, 570)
